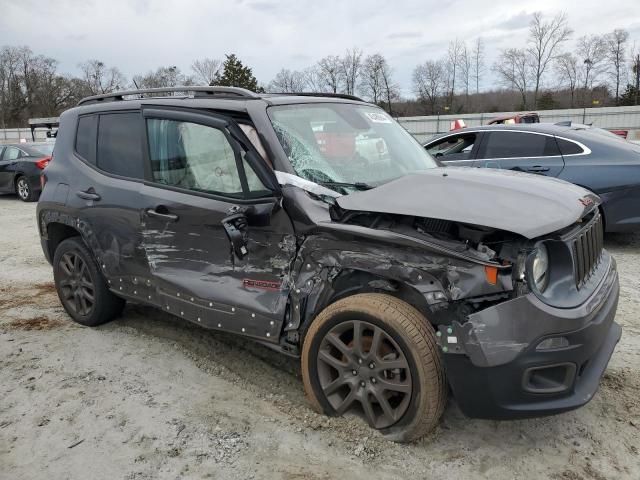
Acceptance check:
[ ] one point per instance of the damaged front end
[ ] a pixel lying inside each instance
(525, 325)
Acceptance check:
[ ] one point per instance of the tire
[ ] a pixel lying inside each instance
(81, 287)
(404, 337)
(24, 190)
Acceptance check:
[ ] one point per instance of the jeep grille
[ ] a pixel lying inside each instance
(587, 250)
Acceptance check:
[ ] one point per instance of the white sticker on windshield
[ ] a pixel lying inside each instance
(377, 117)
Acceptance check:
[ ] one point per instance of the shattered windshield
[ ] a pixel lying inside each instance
(346, 146)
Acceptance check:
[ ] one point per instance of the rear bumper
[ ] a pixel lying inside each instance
(518, 380)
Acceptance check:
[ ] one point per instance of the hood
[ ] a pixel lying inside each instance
(526, 204)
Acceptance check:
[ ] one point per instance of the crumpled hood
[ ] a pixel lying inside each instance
(526, 204)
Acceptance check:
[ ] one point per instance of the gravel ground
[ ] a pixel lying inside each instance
(148, 396)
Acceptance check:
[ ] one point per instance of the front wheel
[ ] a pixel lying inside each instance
(376, 356)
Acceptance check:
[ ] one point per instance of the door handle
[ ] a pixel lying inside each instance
(89, 194)
(164, 214)
(538, 168)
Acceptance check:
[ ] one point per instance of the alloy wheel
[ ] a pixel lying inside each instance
(23, 189)
(362, 369)
(76, 287)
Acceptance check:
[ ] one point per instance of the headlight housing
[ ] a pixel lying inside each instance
(540, 268)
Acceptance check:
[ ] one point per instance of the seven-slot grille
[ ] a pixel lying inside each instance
(587, 250)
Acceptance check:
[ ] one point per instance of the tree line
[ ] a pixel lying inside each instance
(601, 69)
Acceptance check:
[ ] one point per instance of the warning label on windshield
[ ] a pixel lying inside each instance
(376, 117)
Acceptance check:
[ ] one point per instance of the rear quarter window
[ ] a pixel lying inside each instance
(120, 144)
(568, 148)
(86, 138)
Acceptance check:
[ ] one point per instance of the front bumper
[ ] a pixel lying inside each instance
(496, 371)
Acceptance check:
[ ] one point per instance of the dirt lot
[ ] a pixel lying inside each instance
(148, 396)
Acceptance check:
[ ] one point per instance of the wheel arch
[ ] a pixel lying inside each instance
(17, 176)
(351, 282)
(57, 232)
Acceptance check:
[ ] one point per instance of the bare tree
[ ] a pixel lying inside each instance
(330, 73)
(288, 81)
(99, 78)
(566, 67)
(377, 83)
(205, 70)
(313, 79)
(351, 64)
(453, 53)
(478, 62)
(391, 90)
(429, 82)
(591, 51)
(11, 95)
(514, 70)
(635, 69)
(372, 85)
(616, 46)
(162, 77)
(545, 37)
(465, 66)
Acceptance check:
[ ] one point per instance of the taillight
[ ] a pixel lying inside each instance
(43, 162)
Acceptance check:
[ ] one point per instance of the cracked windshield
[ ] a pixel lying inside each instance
(347, 147)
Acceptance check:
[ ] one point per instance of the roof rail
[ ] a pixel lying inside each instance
(321, 94)
(229, 92)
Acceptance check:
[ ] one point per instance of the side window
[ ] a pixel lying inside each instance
(456, 147)
(86, 138)
(11, 153)
(1, 150)
(196, 157)
(518, 144)
(120, 144)
(568, 148)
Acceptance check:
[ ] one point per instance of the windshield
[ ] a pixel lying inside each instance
(347, 146)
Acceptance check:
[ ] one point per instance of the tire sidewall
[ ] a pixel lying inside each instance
(29, 196)
(348, 315)
(77, 246)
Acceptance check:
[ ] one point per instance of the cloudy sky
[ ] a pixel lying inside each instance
(140, 35)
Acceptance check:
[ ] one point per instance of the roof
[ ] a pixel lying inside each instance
(549, 128)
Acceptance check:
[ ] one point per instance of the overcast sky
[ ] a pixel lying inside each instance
(140, 35)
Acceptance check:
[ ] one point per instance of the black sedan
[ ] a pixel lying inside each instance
(20, 167)
(587, 156)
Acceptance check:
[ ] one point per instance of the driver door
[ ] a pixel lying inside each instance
(213, 227)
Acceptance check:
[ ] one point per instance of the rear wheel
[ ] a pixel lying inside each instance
(81, 287)
(24, 191)
(376, 356)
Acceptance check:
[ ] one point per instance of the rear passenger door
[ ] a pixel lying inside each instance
(521, 151)
(105, 193)
(204, 189)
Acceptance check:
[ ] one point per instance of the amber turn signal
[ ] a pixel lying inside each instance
(492, 275)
